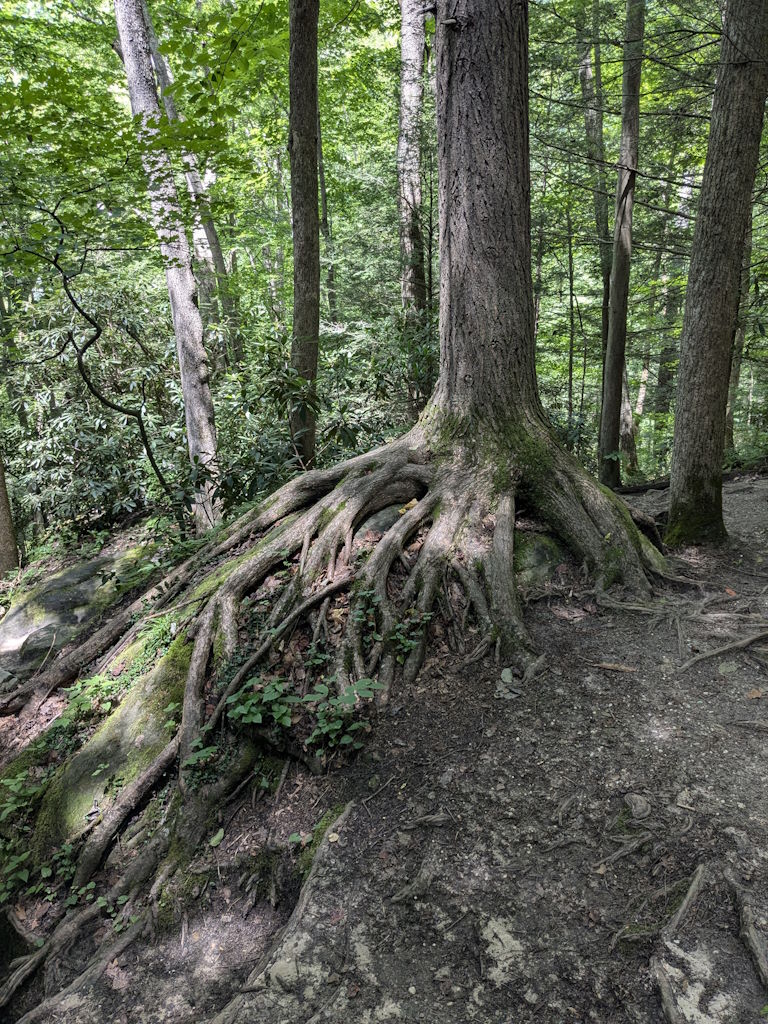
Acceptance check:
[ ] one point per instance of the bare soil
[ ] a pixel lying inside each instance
(509, 852)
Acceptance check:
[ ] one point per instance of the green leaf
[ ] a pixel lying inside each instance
(215, 840)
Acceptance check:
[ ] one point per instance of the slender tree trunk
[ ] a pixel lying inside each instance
(571, 323)
(592, 98)
(199, 196)
(537, 281)
(613, 376)
(9, 553)
(325, 229)
(738, 343)
(5, 370)
(412, 39)
(174, 247)
(712, 294)
(627, 427)
(274, 262)
(306, 228)
(642, 390)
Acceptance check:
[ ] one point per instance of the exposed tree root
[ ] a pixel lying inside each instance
(70, 928)
(366, 599)
(126, 803)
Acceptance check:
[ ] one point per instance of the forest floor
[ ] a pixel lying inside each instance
(589, 846)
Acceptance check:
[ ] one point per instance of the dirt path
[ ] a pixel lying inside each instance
(511, 853)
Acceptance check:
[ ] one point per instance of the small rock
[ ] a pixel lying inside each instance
(374, 782)
(284, 974)
(638, 805)
(412, 990)
(530, 996)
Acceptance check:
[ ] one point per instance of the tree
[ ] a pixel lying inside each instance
(739, 335)
(174, 247)
(482, 442)
(412, 43)
(303, 147)
(712, 293)
(325, 229)
(9, 554)
(214, 252)
(615, 399)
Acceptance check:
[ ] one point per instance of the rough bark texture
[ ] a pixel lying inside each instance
(487, 366)
(712, 295)
(9, 555)
(174, 247)
(627, 425)
(592, 98)
(611, 415)
(214, 252)
(325, 230)
(413, 282)
(306, 229)
(738, 343)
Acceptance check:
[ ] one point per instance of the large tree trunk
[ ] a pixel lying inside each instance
(456, 475)
(739, 335)
(712, 294)
(306, 229)
(413, 281)
(213, 251)
(174, 247)
(9, 553)
(613, 375)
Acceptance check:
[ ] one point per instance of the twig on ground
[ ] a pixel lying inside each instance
(736, 645)
(697, 883)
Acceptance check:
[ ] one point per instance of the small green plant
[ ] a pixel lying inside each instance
(258, 701)
(334, 726)
(266, 703)
(408, 632)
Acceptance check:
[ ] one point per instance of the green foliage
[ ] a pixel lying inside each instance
(74, 199)
(270, 703)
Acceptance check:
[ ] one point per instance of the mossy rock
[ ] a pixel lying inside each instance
(44, 619)
(121, 748)
(536, 557)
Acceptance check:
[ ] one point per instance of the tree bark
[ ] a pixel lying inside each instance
(487, 349)
(412, 39)
(325, 229)
(9, 553)
(738, 343)
(306, 229)
(592, 98)
(613, 375)
(199, 196)
(712, 294)
(174, 248)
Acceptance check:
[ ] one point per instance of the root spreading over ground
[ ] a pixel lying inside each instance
(365, 599)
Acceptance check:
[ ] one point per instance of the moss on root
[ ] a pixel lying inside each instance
(120, 749)
(218, 576)
(307, 855)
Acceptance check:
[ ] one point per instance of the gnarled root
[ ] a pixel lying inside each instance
(367, 597)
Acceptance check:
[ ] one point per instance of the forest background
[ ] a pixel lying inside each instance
(74, 211)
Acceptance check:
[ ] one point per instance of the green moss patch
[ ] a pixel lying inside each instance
(121, 748)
